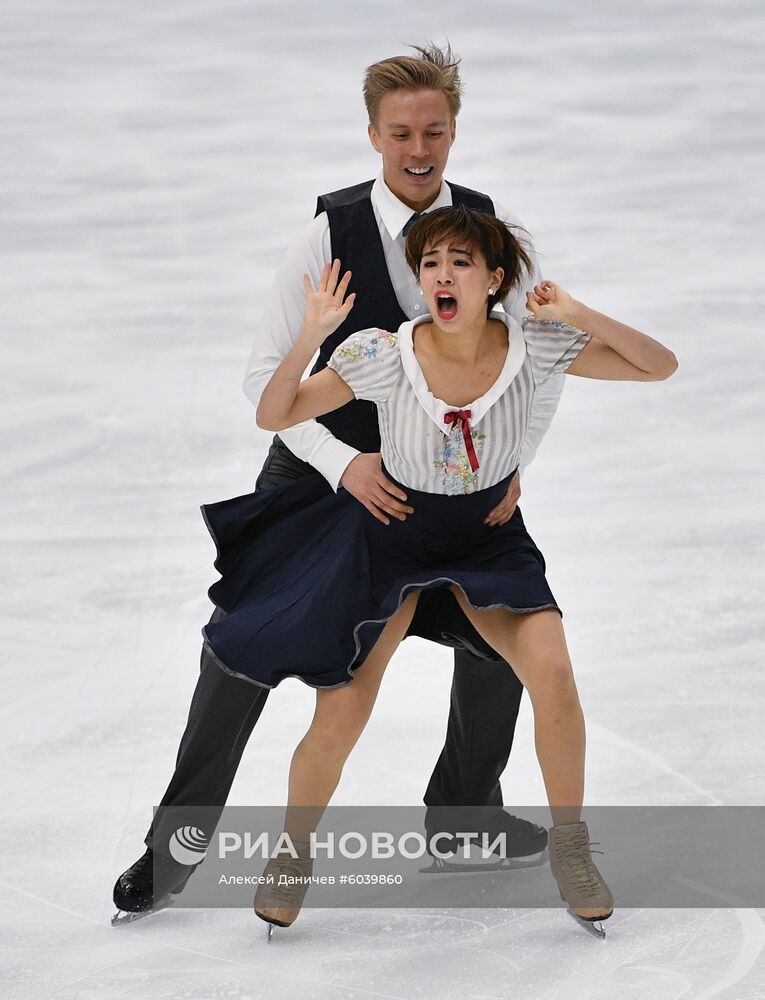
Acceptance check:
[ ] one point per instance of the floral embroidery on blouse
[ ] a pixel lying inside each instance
(454, 465)
(357, 348)
(547, 322)
(557, 323)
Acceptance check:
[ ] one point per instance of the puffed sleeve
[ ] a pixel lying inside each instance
(552, 346)
(369, 362)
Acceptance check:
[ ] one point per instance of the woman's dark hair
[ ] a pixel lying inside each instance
(471, 230)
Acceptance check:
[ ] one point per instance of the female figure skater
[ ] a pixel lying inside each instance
(326, 592)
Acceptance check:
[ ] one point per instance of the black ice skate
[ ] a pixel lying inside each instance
(148, 886)
(526, 846)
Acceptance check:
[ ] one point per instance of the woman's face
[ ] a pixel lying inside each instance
(455, 284)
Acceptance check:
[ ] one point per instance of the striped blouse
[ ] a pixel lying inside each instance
(419, 447)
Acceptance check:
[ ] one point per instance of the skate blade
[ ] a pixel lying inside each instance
(270, 932)
(441, 866)
(594, 927)
(123, 917)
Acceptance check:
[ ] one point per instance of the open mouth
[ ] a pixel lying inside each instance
(446, 305)
(419, 171)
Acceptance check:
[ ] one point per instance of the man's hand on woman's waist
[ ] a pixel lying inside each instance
(365, 480)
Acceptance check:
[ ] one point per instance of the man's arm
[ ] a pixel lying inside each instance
(279, 330)
(543, 407)
(547, 396)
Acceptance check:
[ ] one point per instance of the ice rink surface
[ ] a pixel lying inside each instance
(157, 158)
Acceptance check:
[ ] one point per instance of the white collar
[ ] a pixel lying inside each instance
(394, 213)
(437, 408)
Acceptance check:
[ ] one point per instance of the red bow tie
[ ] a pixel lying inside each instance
(464, 416)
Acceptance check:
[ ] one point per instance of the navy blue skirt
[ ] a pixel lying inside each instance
(309, 577)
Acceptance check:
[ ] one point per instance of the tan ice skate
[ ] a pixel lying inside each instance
(279, 905)
(580, 883)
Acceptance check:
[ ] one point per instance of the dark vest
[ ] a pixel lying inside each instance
(357, 245)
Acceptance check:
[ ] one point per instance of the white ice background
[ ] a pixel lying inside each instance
(156, 159)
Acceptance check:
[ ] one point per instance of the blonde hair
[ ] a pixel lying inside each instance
(432, 69)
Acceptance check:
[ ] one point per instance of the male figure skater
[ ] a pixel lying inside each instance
(412, 104)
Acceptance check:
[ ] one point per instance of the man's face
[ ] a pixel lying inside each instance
(414, 131)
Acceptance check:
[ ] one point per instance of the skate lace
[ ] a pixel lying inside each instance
(292, 868)
(573, 855)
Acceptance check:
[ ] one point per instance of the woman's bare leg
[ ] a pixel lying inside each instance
(339, 720)
(535, 644)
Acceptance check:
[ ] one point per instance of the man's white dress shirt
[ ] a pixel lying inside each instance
(283, 318)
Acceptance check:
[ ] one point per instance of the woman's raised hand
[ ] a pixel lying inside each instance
(549, 301)
(326, 307)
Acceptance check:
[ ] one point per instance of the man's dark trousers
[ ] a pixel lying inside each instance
(485, 699)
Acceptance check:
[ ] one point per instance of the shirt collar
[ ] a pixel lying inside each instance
(394, 213)
(437, 408)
